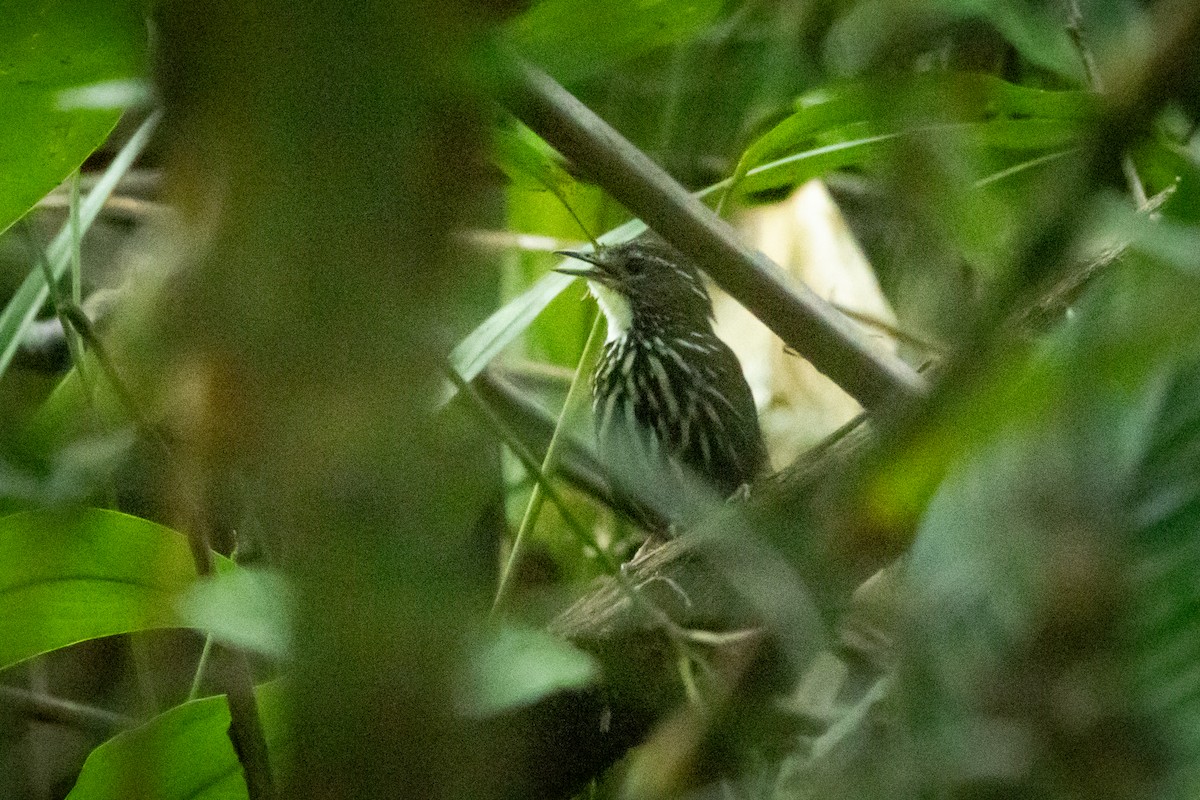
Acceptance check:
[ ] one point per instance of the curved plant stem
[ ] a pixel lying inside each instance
(201, 668)
(515, 445)
(576, 396)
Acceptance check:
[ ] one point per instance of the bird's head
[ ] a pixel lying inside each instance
(644, 282)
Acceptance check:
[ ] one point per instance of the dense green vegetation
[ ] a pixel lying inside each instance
(298, 491)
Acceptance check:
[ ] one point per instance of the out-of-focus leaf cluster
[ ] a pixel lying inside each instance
(1034, 634)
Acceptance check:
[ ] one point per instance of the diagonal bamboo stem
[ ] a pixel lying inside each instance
(803, 320)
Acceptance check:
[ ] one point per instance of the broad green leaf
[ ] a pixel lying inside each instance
(69, 576)
(572, 39)
(816, 113)
(249, 609)
(510, 667)
(182, 754)
(24, 305)
(51, 47)
(800, 167)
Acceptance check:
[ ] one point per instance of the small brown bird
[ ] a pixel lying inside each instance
(669, 396)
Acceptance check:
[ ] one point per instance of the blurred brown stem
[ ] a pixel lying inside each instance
(55, 710)
(234, 676)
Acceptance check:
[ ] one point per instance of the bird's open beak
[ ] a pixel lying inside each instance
(593, 272)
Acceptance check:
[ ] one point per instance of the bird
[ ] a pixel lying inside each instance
(671, 403)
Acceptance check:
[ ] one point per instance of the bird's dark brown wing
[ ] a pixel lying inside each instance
(679, 401)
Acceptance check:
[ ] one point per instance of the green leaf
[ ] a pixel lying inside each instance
(572, 39)
(24, 305)
(50, 47)
(182, 754)
(483, 344)
(523, 156)
(800, 167)
(249, 609)
(69, 576)
(495, 333)
(511, 667)
(850, 124)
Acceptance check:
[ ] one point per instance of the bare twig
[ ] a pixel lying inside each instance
(131, 208)
(137, 180)
(55, 710)
(235, 679)
(892, 330)
(1051, 305)
(793, 311)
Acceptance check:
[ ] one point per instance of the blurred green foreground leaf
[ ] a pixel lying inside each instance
(69, 576)
(49, 47)
(184, 754)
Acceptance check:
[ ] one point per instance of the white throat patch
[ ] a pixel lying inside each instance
(616, 309)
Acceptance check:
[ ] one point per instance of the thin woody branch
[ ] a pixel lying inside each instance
(59, 711)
